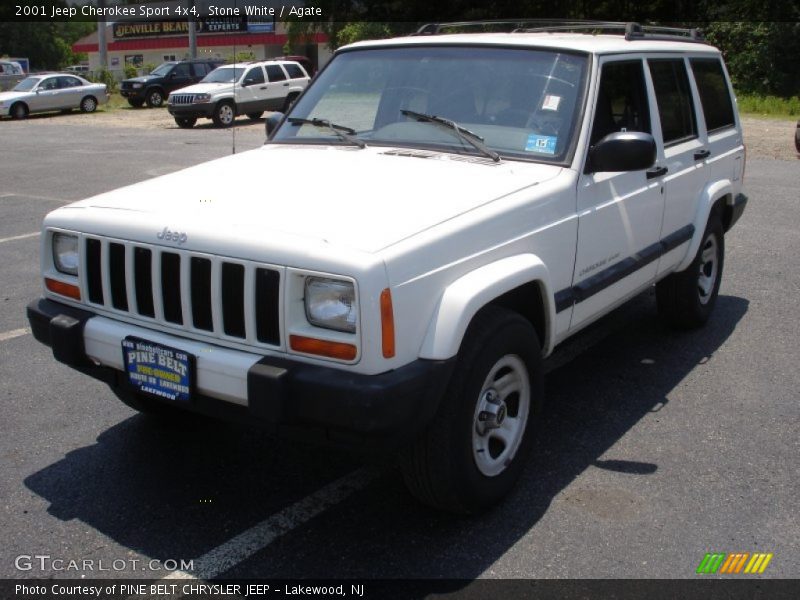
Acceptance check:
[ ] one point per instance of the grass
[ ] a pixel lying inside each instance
(770, 106)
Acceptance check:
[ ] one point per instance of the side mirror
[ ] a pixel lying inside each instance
(272, 123)
(248, 81)
(622, 151)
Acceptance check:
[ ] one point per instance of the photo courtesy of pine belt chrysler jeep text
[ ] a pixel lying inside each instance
(468, 202)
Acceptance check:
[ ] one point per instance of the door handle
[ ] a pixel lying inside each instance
(701, 154)
(656, 172)
(285, 85)
(263, 87)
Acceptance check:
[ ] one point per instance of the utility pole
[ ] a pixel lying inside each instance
(192, 30)
(101, 35)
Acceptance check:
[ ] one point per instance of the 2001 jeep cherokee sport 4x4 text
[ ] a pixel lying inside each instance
(475, 200)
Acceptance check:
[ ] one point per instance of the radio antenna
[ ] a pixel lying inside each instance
(233, 124)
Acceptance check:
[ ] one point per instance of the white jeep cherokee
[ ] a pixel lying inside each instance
(238, 89)
(469, 202)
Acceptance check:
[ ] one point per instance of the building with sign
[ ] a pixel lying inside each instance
(151, 41)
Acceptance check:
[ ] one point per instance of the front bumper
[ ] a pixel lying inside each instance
(286, 396)
(206, 109)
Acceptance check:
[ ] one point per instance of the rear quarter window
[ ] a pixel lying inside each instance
(294, 71)
(715, 95)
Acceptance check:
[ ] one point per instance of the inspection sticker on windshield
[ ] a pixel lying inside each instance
(541, 144)
(551, 102)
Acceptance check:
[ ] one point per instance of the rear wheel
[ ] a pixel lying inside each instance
(89, 104)
(287, 104)
(686, 299)
(185, 122)
(18, 111)
(473, 452)
(255, 116)
(224, 114)
(155, 98)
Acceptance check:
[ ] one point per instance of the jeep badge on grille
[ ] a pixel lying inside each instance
(172, 236)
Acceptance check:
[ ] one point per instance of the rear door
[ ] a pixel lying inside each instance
(277, 87)
(70, 92)
(619, 214)
(683, 152)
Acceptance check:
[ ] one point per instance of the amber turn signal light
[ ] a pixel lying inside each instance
(309, 345)
(387, 324)
(64, 289)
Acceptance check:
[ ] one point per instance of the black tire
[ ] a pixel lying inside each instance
(88, 104)
(287, 104)
(136, 103)
(224, 114)
(441, 468)
(18, 111)
(185, 122)
(155, 98)
(255, 116)
(686, 299)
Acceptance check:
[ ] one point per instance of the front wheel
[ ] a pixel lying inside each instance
(155, 98)
(224, 115)
(19, 111)
(686, 299)
(185, 122)
(473, 452)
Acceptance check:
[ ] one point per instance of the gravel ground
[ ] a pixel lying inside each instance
(764, 137)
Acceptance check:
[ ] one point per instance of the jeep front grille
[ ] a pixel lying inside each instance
(182, 98)
(210, 295)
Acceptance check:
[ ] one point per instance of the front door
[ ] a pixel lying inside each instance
(619, 214)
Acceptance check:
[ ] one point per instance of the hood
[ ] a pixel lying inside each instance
(363, 200)
(141, 79)
(203, 88)
(8, 96)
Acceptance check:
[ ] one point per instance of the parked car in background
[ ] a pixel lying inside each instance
(154, 88)
(51, 92)
(239, 89)
(78, 69)
(11, 73)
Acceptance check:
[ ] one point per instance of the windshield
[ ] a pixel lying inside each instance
(520, 103)
(162, 69)
(224, 75)
(26, 84)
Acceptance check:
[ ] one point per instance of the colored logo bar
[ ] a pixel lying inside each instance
(734, 563)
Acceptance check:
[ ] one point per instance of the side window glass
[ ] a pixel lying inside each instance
(181, 70)
(674, 99)
(275, 73)
(715, 97)
(295, 72)
(254, 76)
(49, 84)
(200, 69)
(68, 82)
(621, 100)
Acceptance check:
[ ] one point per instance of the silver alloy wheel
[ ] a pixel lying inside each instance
(155, 98)
(501, 415)
(225, 114)
(88, 104)
(709, 268)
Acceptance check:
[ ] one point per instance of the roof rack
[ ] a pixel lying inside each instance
(631, 31)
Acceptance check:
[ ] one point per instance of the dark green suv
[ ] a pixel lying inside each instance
(154, 88)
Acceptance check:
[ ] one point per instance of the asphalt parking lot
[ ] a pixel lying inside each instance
(656, 447)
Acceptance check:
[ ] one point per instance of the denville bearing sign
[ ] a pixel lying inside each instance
(214, 25)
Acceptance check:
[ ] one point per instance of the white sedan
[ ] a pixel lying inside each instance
(58, 91)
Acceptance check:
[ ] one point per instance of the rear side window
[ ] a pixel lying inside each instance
(674, 98)
(200, 69)
(715, 97)
(295, 72)
(275, 73)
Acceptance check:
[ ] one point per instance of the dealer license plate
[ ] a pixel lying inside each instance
(158, 370)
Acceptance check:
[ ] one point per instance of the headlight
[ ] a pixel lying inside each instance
(65, 253)
(331, 304)
(136, 86)
(200, 98)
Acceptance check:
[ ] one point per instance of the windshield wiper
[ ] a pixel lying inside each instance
(473, 139)
(345, 133)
